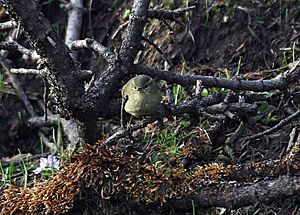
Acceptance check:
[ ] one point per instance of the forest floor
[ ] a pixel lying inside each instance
(255, 40)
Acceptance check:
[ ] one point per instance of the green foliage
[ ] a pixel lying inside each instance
(16, 170)
(263, 107)
(47, 173)
(178, 91)
(7, 173)
(168, 4)
(266, 94)
(194, 212)
(288, 55)
(21, 118)
(186, 14)
(171, 138)
(205, 92)
(126, 14)
(265, 115)
(64, 153)
(3, 35)
(206, 11)
(2, 85)
(179, 94)
(24, 169)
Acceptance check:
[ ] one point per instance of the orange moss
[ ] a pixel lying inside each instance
(109, 170)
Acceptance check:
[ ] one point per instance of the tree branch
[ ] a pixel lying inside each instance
(96, 46)
(233, 195)
(132, 40)
(74, 21)
(63, 75)
(169, 14)
(8, 25)
(277, 83)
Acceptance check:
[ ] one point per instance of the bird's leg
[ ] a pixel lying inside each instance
(130, 131)
(46, 97)
(122, 112)
(122, 121)
(160, 115)
(129, 123)
(160, 124)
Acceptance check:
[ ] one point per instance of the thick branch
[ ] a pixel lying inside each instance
(231, 195)
(132, 39)
(168, 14)
(74, 21)
(63, 70)
(97, 97)
(277, 83)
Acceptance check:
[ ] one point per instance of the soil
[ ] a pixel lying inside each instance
(254, 37)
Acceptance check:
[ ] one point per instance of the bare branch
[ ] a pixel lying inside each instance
(194, 106)
(277, 83)
(96, 46)
(63, 71)
(14, 80)
(275, 128)
(230, 194)
(8, 25)
(69, 126)
(132, 40)
(125, 132)
(16, 46)
(29, 71)
(17, 86)
(117, 31)
(74, 21)
(169, 14)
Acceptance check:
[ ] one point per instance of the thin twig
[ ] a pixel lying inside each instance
(199, 88)
(125, 132)
(28, 71)
(121, 27)
(157, 49)
(18, 87)
(237, 133)
(275, 128)
(293, 153)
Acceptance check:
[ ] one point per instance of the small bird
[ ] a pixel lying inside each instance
(141, 95)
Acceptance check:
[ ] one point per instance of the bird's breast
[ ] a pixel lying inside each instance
(142, 103)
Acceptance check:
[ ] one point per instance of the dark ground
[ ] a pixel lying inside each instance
(258, 35)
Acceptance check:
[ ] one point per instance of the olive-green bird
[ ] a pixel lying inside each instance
(142, 96)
